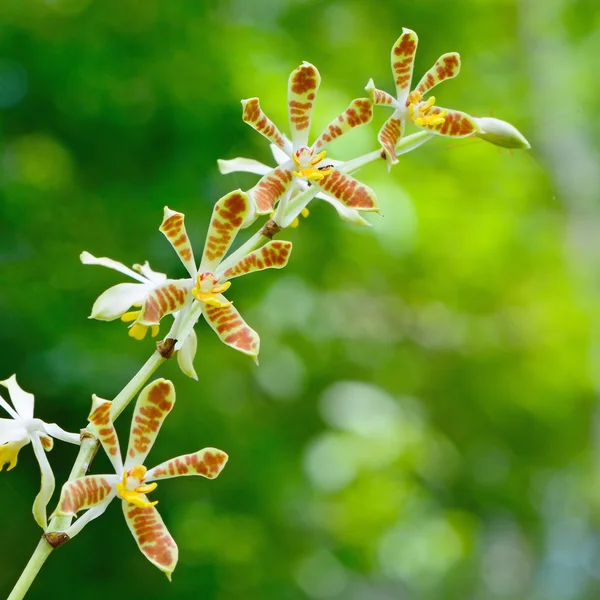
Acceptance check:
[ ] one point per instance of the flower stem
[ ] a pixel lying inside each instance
(87, 451)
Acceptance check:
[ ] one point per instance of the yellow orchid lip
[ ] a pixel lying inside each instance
(134, 496)
(137, 330)
(309, 171)
(419, 111)
(207, 289)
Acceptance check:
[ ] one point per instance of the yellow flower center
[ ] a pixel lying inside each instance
(138, 331)
(131, 488)
(208, 288)
(420, 112)
(306, 162)
(9, 453)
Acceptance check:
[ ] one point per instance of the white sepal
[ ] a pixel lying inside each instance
(117, 300)
(186, 355)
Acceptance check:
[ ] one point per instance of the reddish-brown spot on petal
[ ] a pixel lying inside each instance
(271, 188)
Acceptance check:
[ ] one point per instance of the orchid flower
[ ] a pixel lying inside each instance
(155, 296)
(23, 428)
(132, 481)
(248, 165)
(308, 163)
(409, 106)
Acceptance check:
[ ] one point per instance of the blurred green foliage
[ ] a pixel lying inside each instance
(423, 423)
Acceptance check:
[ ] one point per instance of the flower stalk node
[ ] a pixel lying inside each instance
(270, 229)
(56, 538)
(166, 347)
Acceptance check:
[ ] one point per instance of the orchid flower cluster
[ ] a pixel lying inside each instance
(302, 172)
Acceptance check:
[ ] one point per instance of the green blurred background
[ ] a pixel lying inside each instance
(424, 421)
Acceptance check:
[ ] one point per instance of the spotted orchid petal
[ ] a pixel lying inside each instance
(89, 259)
(273, 255)
(348, 191)
(152, 536)
(85, 493)
(163, 300)
(103, 426)
(232, 330)
(186, 355)
(389, 135)
(256, 118)
(173, 228)
(208, 463)
(456, 124)
(228, 215)
(403, 60)
(152, 407)
(303, 86)
(358, 113)
(47, 483)
(447, 66)
(379, 97)
(22, 401)
(272, 188)
(244, 165)
(117, 300)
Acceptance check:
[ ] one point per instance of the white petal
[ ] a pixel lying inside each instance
(185, 356)
(501, 133)
(279, 155)
(90, 515)
(12, 430)
(149, 274)
(117, 300)
(22, 400)
(347, 214)
(58, 433)
(88, 259)
(243, 165)
(47, 487)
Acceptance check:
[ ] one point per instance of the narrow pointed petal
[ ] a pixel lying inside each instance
(358, 113)
(271, 188)
(60, 434)
(500, 133)
(243, 165)
(103, 427)
(47, 484)
(22, 401)
(90, 515)
(152, 407)
(389, 135)
(117, 300)
(152, 536)
(256, 118)
(86, 492)
(186, 355)
(348, 190)
(231, 328)
(163, 300)
(227, 218)
(447, 66)
(403, 60)
(379, 97)
(173, 228)
(89, 259)
(273, 255)
(350, 215)
(208, 463)
(456, 124)
(303, 85)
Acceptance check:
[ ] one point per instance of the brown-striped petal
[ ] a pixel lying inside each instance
(103, 427)
(403, 60)
(358, 113)
(152, 536)
(208, 463)
(447, 66)
(151, 409)
(256, 118)
(173, 227)
(348, 190)
(270, 189)
(456, 124)
(228, 215)
(389, 135)
(86, 492)
(273, 255)
(379, 97)
(163, 300)
(303, 85)
(231, 328)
